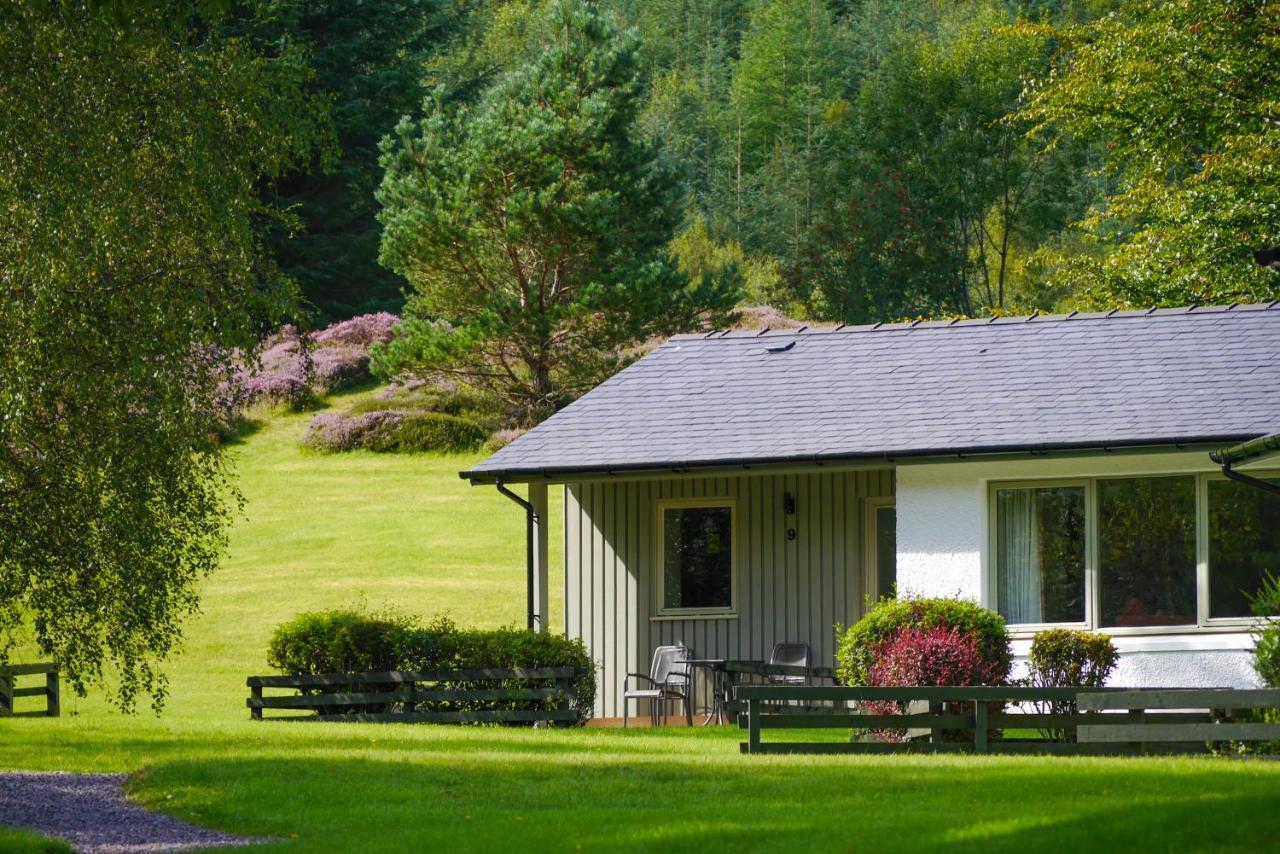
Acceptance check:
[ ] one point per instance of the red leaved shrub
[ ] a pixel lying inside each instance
(935, 656)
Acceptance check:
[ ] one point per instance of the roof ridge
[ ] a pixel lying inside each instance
(1035, 318)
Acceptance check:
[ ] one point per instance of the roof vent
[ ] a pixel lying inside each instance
(780, 348)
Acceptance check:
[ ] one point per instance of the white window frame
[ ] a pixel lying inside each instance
(1204, 623)
(871, 557)
(660, 553)
(1090, 552)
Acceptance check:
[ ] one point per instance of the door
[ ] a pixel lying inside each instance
(882, 548)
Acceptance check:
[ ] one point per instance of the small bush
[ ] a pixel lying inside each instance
(430, 431)
(1266, 654)
(332, 432)
(938, 655)
(857, 646)
(502, 438)
(1064, 658)
(352, 642)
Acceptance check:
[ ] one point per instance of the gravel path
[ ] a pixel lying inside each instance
(90, 812)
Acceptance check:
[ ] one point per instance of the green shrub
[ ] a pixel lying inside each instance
(352, 642)
(335, 642)
(1266, 653)
(1064, 658)
(430, 431)
(857, 645)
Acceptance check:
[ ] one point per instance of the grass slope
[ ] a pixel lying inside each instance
(323, 531)
(335, 530)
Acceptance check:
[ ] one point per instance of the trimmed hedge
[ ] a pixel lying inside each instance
(346, 641)
(858, 646)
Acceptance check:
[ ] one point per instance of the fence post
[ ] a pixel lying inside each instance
(410, 704)
(6, 695)
(52, 693)
(935, 733)
(979, 726)
(255, 711)
(753, 725)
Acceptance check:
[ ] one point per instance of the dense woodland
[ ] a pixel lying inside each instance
(861, 161)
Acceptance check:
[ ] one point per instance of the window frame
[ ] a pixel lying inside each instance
(1090, 551)
(1204, 623)
(660, 553)
(870, 539)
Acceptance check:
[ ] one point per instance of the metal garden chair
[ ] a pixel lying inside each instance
(794, 654)
(669, 678)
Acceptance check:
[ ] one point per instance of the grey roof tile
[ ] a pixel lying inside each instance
(1119, 378)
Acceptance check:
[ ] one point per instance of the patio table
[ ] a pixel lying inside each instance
(718, 689)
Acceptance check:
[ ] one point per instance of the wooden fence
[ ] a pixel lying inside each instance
(9, 690)
(454, 696)
(963, 720)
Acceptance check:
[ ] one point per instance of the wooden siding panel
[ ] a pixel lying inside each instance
(787, 590)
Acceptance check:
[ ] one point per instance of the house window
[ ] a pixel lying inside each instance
(1040, 543)
(697, 556)
(1132, 553)
(1244, 544)
(1147, 543)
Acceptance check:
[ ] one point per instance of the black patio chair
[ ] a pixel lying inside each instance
(794, 654)
(669, 678)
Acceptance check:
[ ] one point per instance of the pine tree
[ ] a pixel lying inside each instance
(533, 226)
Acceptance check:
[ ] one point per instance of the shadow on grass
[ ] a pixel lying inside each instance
(502, 795)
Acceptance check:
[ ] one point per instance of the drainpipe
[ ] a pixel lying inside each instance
(530, 519)
(1226, 457)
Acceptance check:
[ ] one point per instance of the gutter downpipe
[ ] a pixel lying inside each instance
(530, 518)
(1226, 457)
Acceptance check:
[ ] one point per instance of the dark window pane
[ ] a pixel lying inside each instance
(886, 551)
(1147, 549)
(697, 557)
(1244, 543)
(1040, 554)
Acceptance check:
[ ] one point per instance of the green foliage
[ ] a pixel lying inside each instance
(1183, 96)
(367, 60)
(336, 642)
(856, 645)
(132, 142)
(1266, 634)
(1266, 654)
(535, 224)
(354, 642)
(1067, 658)
(429, 431)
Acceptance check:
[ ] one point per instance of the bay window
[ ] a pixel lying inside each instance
(1131, 553)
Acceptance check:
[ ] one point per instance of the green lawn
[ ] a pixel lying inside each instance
(323, 531)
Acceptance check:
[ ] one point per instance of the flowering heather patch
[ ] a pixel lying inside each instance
(330, 431)
(360, 331)
(292, 367)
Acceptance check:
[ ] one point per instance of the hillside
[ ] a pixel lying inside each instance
(335, 530)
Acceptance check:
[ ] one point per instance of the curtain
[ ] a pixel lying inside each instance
(1018, 556)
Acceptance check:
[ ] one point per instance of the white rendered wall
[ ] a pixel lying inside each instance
(942, 531)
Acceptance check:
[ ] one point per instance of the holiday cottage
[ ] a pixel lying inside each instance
(740, 489)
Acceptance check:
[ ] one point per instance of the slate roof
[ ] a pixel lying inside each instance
(1078, 381)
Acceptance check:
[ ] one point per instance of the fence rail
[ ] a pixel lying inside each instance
(972, 720)
(441, 696)
(50, 690)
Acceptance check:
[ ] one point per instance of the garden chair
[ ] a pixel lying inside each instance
(669, 678)
(794, 654)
